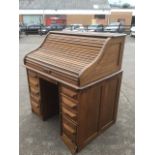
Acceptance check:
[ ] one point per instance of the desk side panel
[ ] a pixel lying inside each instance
(110, 90)
(110, 61)
(88, 115)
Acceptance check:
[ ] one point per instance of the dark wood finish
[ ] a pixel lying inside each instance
(77, 75)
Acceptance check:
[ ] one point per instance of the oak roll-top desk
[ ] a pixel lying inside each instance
(77, 75)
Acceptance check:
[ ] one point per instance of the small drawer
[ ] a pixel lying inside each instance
(36, 110)
(70, 103)
(69, 92)
(69, 114)
(34, 91)
(71, 145)
(35, 97)
(34, 82)
(69, 131)
(35, 104)
(69, 123)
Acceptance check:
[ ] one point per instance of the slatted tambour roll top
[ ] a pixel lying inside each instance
(77, 59)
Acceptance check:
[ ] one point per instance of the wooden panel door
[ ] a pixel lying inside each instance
(88, 115)
(109, 101)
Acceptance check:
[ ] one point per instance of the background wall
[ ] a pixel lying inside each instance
(127, 16)
(79, 19)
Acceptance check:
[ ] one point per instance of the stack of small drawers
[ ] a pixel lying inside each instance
(69, 113)
(34, 91)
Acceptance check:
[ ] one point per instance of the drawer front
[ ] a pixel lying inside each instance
(35, 97)
(69, 92)
(35, 91)
(69, 132)
(71, 145)
(69, 114)
(35, 104)
(34, 82)
(68, 102)
(36, 110)
(69, 129)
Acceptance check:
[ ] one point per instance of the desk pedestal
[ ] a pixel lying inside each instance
(84, 113)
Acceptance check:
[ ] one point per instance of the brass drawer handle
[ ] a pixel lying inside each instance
(68, 128)
(65, 111)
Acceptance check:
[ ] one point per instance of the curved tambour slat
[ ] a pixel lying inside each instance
(96, 60)
(58, 45)
(48, 42)
(77, 40)
(72, 53)
(78, 58)
(72, 49)
(58, 63)
(58, 59)
(64, 58)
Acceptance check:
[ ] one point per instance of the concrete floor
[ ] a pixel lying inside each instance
(42, 138)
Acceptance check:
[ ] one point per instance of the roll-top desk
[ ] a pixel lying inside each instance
(77, 75)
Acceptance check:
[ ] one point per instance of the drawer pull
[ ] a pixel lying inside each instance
(65, 111)
(68, 128)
